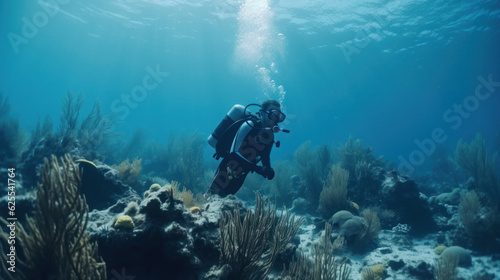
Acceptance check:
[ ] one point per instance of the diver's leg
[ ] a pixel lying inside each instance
(220, 180)
(235, 184)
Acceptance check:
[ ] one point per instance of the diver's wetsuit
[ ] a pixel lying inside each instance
(251, 145)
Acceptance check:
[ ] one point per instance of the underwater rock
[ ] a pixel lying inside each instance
(300, 206)
(385, 251)
(396, 265)
(422, 271)
(401, 195)
(284, 257)
(167, 242)
(463, 256)
(151, 206)
(451, 198)
(369, 179)
(403, 241)
(100, 188)
(218, 273)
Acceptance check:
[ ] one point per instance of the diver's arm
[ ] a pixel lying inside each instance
(242, 133)
(266, 158)
(266, 170)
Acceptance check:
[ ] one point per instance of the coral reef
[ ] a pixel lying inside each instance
(150, 217)
(170, 241)
(55, 244)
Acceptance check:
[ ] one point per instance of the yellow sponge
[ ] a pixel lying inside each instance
(439, 249)
(154, 187)
(194, 209)
(124, 222)
(378, 270)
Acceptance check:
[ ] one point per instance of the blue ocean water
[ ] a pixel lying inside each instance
(400, 75)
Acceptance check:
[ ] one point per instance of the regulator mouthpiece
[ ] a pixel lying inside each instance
(276, 129)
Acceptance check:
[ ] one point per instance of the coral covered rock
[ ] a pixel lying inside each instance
(352, 227)
(168, 241)
(401, 195)
(339, 218)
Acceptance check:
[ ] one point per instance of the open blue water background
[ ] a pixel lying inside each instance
(387, 72)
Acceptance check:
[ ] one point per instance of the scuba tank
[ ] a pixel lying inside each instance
(222, 137)
(236, 113)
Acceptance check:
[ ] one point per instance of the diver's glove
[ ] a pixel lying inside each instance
(265, 171)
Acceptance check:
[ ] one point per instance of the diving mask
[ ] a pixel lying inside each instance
(276, 115)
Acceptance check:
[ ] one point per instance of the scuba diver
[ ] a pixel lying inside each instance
(243, 140)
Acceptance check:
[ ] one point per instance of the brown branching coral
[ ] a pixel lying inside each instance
(313, 165)
(92, 133)
(54, 244)
(352, 153)
(333, 197)
(130, 171)
(475, 159)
